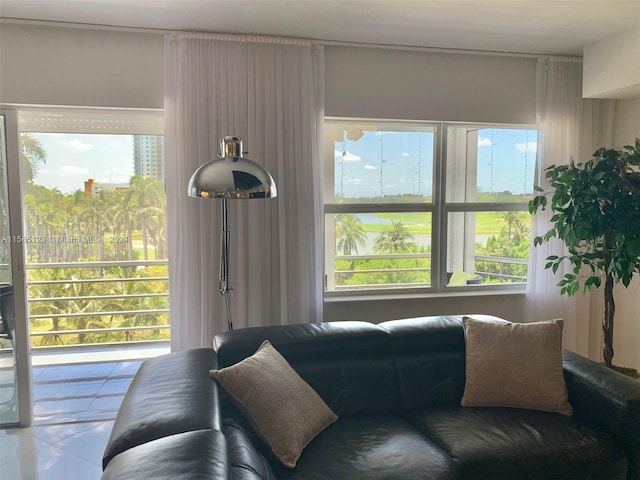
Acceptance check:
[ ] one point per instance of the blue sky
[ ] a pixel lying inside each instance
(400, 163)
(402, 160)
(74, 158)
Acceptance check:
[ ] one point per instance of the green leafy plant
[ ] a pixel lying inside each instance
(595, 210)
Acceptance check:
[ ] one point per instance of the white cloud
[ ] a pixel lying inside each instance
(484, 142)
(370, 167)
(405, 154)
(76, 145)
(347, 156)
(355, 181)
(528, 147)
(69, 170)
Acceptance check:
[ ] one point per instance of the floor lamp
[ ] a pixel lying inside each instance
(230, 176)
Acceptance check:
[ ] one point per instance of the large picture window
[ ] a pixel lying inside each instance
(417, 206)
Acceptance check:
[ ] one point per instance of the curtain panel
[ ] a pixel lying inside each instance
(270, 93)
(569, 126)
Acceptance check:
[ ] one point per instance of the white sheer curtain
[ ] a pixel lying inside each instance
(270, 93)
(569, 126)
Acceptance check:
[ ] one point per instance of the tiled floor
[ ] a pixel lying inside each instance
(82, 392)
(54, 452)
(75, 401)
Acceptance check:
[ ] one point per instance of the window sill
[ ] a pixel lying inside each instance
(332, 297)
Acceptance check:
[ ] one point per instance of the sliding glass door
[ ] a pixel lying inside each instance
(15, 368)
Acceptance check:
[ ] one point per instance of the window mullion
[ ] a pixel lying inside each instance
(439, 235)
(486, 207)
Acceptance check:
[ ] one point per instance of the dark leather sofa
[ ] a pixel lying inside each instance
(397, 388)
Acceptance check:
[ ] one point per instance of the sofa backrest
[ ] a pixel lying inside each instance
(349, 364)
(360, 367)
(429, 353)
(429, 358)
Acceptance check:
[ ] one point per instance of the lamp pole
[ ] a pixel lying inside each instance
(225, 287)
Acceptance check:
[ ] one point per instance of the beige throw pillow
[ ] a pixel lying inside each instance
(282, 408)
(515, 365)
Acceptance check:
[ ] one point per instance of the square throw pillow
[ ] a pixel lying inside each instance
(515, 365)
(282, 408)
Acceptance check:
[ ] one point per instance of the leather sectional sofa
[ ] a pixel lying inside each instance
(396, 388)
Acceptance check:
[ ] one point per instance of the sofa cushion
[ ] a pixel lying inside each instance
(515, 365)
(371, 447)
(509, 443)
(283, 409)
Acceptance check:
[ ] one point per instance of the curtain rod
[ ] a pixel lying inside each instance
(330, 43)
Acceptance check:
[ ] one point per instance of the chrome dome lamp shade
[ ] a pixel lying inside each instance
(231, 176)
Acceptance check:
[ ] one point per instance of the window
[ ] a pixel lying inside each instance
(416, 206)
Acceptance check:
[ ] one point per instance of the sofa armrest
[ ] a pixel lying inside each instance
(195, 455)
(607, 399)
(170, 394)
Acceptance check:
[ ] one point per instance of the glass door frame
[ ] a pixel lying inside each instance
(18, 268)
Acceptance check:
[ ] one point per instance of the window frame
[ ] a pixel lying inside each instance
(439, 209)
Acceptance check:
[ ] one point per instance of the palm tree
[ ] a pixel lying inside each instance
(349, 233)
(145, 194)
(32, 155)
(80, 199)
(515, 225)
(396, 240)
(125, 216)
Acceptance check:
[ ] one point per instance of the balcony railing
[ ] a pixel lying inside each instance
(501, 276)
(89, 303)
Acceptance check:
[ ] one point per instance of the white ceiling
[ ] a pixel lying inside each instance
(525, 26)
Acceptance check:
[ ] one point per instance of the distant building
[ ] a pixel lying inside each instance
(148, 156)
(94, 188)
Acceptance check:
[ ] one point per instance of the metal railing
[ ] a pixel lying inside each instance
(87, 303)
(502, 277)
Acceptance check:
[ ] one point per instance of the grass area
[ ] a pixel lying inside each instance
(489, 223)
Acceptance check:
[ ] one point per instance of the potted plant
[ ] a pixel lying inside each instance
(595, 210)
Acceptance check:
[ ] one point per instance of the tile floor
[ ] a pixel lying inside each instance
(54, 452)
(80, 393)
(74, 407)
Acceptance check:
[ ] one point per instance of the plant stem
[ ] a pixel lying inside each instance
(607, 320)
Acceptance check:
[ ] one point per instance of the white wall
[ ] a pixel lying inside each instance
(611, 68)
(80, 67)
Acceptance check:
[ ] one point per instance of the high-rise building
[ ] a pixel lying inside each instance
(148, 156)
